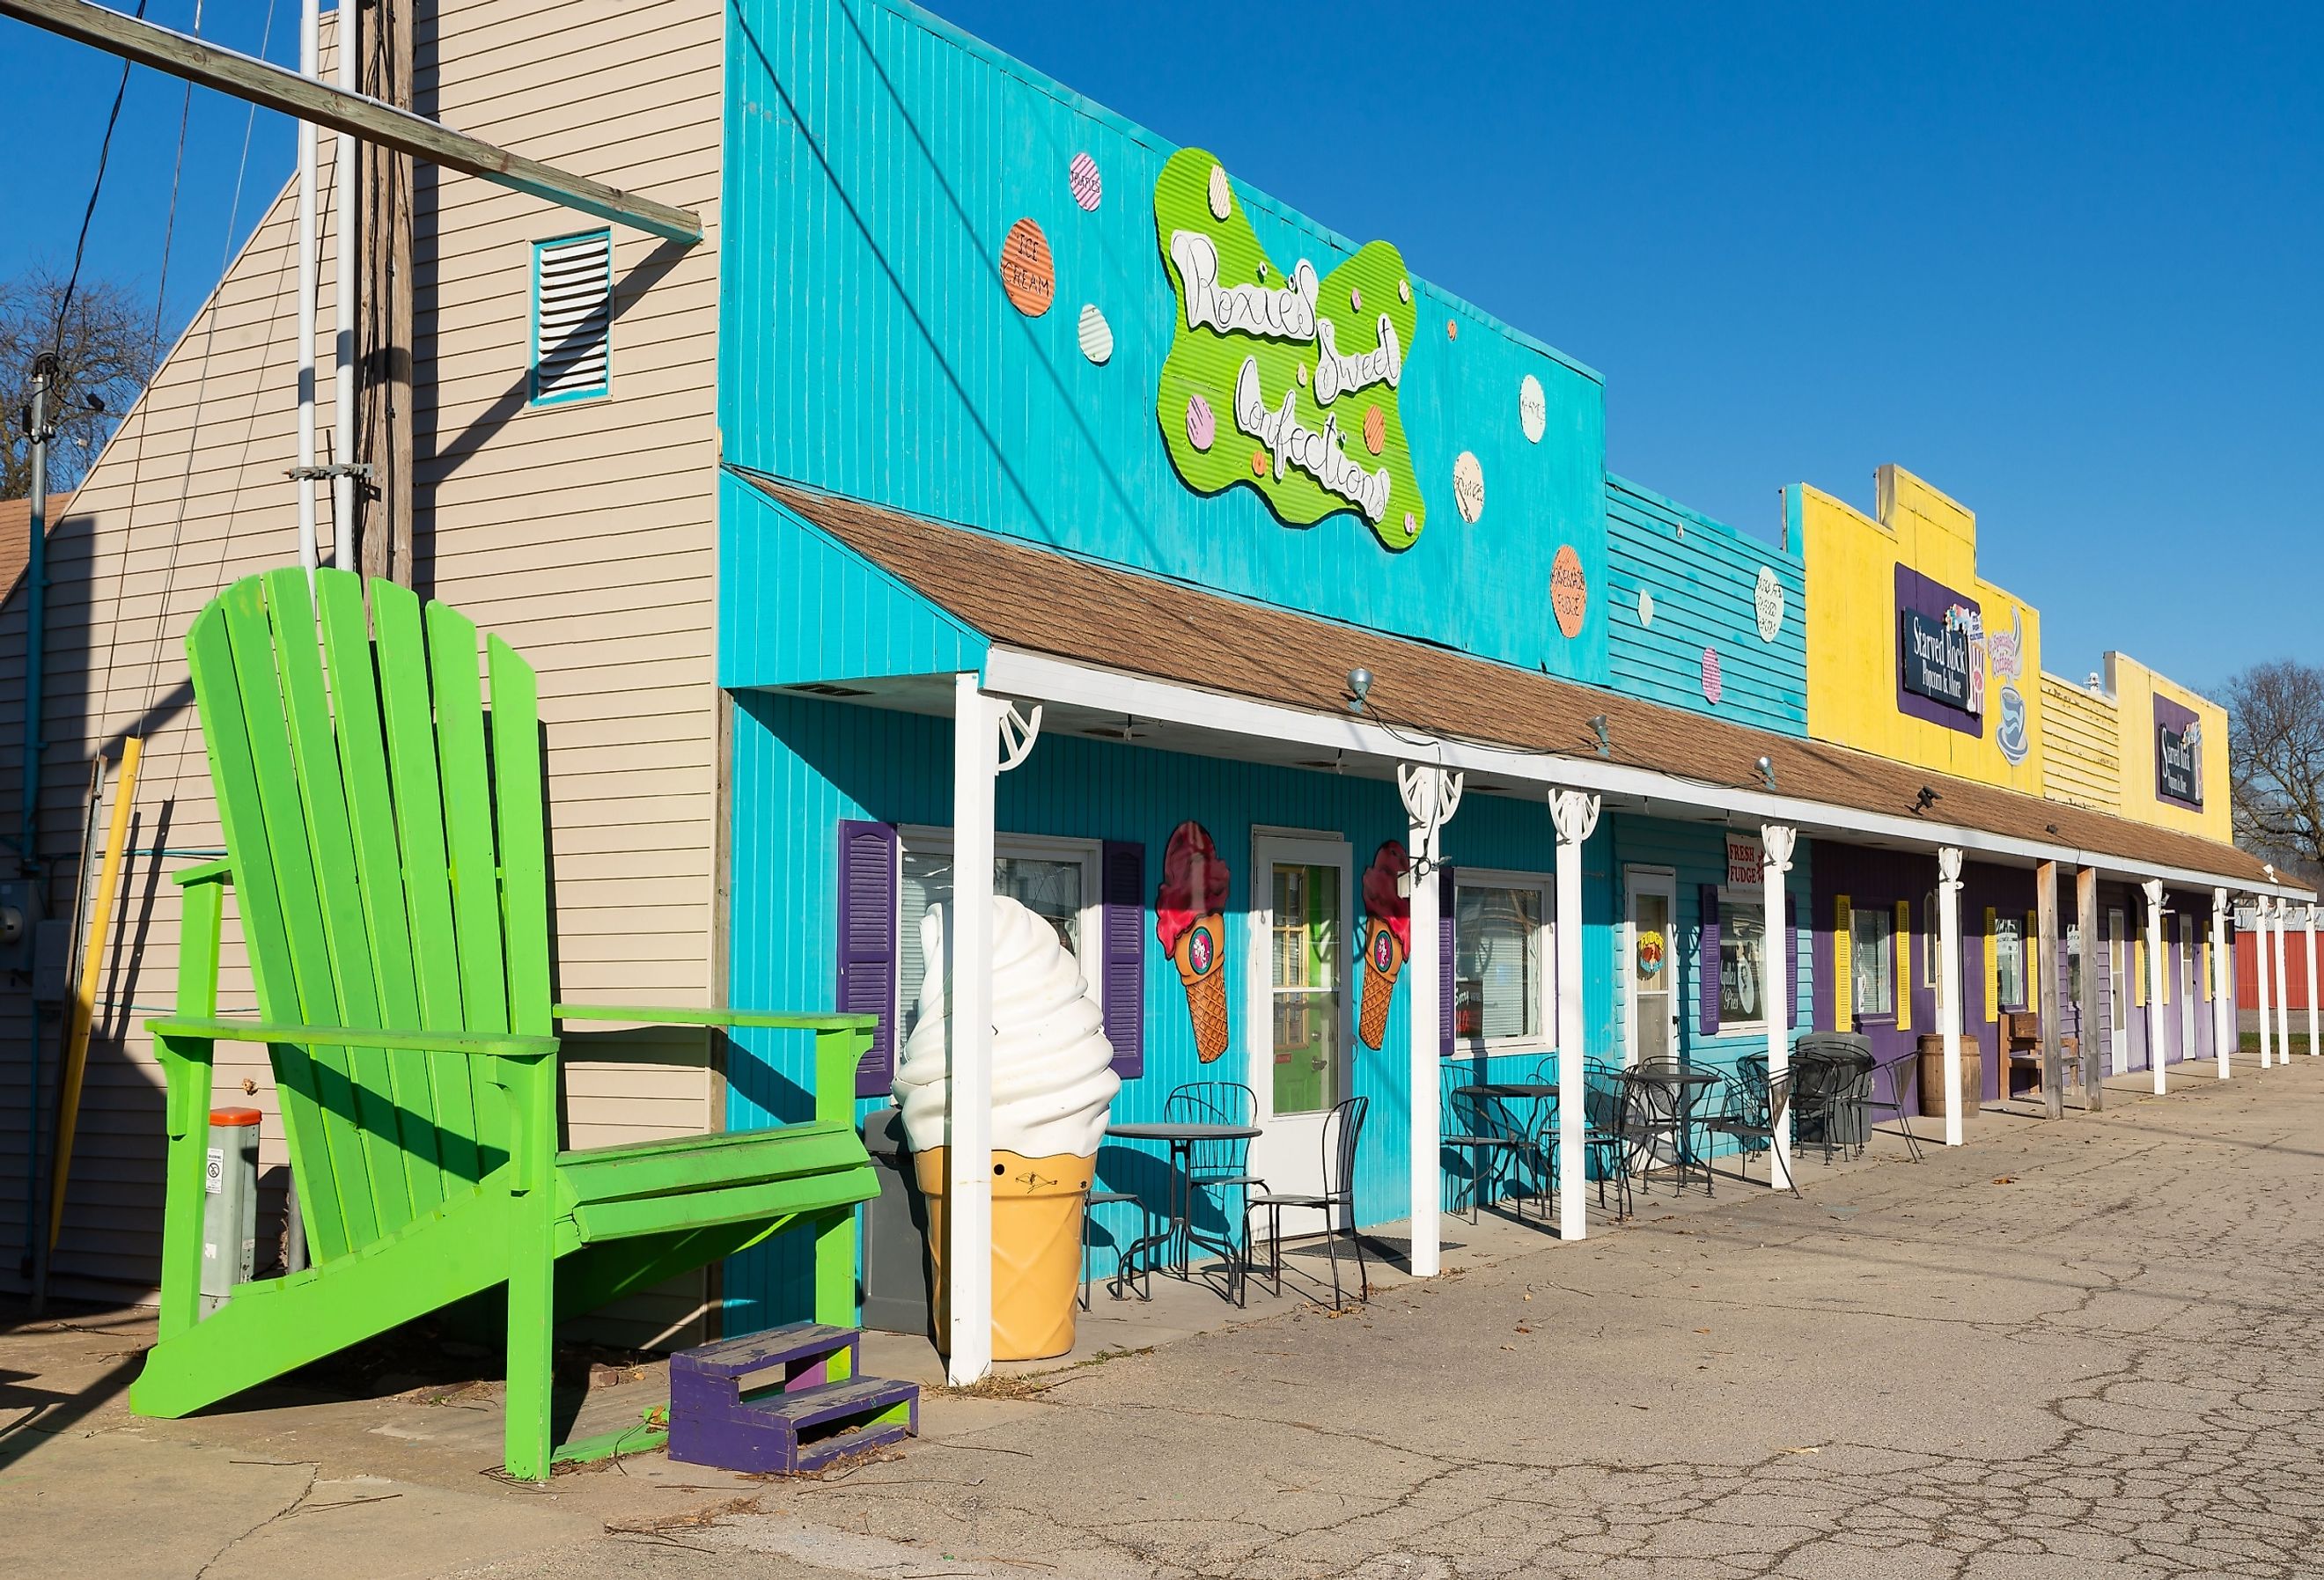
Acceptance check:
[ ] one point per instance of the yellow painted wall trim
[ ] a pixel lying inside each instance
(1904, 965)
(1843, 966)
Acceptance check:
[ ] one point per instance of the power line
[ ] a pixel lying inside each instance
(97, 187)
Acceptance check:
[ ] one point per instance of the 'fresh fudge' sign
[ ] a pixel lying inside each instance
(1278, 378)
(2178, 754)
(1941, 653)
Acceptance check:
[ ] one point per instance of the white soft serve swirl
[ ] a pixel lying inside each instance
(1053, 1078)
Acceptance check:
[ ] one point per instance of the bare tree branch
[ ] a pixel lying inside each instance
(2275, 732)
(106, 351)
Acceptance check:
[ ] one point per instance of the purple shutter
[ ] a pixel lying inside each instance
(867, 944)
(1121, 884)
(1447, 988)
(1706, 965)
(1791, 940)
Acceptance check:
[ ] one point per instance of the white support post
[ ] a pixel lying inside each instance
(1430, 796)
(2223, 1002)
(2311, 982)
(2282, 984)
(1777, 841)
(2156, 1054)
(1949, 1011)
(346, 259)
(968, 1132)
(2259, 963)
(1574, 814)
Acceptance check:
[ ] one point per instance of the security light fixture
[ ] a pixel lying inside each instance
(1359, 683)
(1598, 728)
(1925, 799)
(1767, 767)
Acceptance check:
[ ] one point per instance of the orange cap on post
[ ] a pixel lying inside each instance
(233, 1118)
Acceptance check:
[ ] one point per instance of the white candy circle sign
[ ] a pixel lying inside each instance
(1767, 598)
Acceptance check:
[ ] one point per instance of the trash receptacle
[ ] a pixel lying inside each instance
(230, 1204)
(896, 1293)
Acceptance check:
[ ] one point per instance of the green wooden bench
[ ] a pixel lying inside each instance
(387, 850)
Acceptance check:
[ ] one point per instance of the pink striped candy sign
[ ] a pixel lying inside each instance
(1088, 186)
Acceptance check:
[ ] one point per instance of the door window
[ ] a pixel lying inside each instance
(2118, 973)
(2009, 962)
(1305, 973)
(1652, 972)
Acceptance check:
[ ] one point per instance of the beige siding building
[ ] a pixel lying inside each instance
(583, 532)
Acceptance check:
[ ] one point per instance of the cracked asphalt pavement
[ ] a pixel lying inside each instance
(2066, 1350)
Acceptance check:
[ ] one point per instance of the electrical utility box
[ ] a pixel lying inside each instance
(19, 922)
(230, 1205)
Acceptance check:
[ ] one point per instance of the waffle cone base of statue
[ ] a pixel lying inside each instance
(1383, 964)
(1038, 1206)
(1198, 954)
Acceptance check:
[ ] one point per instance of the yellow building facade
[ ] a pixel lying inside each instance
(1912, 654)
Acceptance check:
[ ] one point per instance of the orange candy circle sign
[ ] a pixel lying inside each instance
(1568, 592)
(1027, 271)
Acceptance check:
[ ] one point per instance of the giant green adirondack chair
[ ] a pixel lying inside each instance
(391, 872)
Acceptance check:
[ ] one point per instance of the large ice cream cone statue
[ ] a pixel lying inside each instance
(1190, 921)
(1387, 937)
(1053, 1084)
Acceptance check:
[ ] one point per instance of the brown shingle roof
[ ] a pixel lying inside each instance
(15, 536)
(1147, 625)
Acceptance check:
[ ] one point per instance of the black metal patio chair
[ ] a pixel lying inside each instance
(1343, 1128)
(1484, 1128)
(1752, 1117)
(1899, 1071)
(1653, 1120)
(1606, 1149)
(1215, 1166)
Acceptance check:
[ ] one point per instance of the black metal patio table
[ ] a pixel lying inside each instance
(1684, 1082)
(1531, 1092)
(1178, 1233)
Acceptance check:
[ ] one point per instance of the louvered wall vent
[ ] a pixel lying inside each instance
(572, 318)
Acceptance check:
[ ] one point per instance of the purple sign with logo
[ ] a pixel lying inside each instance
(2178, 754)
(1939, 654)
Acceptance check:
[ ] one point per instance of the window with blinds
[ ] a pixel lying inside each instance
(572, 318)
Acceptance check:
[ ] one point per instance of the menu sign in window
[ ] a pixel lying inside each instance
(1941, 653)
(2178, 754)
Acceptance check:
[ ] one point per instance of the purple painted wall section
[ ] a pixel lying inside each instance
(1879, 879)
(2181, 1039)
(1930, 599)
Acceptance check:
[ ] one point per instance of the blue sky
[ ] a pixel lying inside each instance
(2065, 262)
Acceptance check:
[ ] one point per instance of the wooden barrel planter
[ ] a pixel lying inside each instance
(1933, 1074)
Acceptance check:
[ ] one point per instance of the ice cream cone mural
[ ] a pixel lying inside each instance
(1386, 937)
(1190, 921)
(1053, 1084)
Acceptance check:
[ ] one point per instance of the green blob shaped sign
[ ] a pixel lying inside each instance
(1279, 379)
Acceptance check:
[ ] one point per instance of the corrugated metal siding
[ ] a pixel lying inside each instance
(2081, 746)
(583, 533)
(877, 160)
(802, 766)
(1702, 577)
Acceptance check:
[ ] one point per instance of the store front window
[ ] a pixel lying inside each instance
(1872, 956)
(1056, 880)
(1500, 955)
(1744, 982)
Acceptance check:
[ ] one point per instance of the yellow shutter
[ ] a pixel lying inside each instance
(2167, 972)
(2032, 962)
(1904, 965)
(1843, 967)
(1992, 969)
(2138, 972)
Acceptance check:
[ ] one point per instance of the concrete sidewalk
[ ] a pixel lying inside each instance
(2065, 1350)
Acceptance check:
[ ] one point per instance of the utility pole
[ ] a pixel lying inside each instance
(383, 351)
(40, 429)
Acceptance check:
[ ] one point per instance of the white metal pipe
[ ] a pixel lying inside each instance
(2224, 1018)
(2157, 1056)
(1575, 813)
(1777, 843)
(968, 1036)
(309, 63)
(346, 262)
(1949, 1018)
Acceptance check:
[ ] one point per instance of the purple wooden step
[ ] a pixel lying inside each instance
(822, 1451)
(737, 1357)
(813, 1407)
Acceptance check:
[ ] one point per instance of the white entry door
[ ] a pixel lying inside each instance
(1300, 1017)
(1650, 1029)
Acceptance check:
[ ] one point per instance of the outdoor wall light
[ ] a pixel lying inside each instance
(1360, 682)
(1598, 728)
(1767, 767)
(1925, 799)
